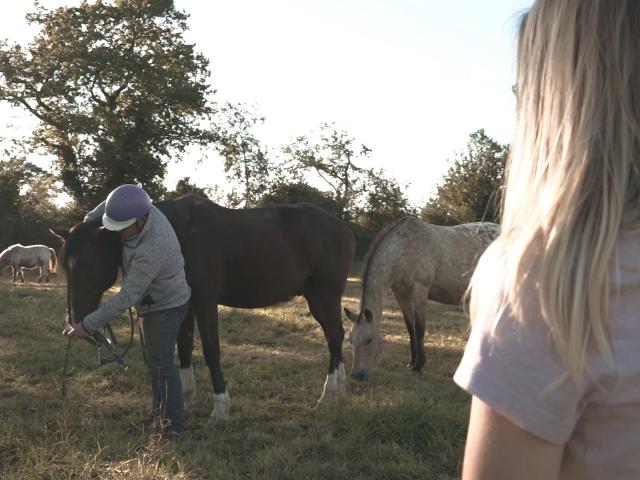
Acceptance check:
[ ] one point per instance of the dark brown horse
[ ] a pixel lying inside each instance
(239, 258)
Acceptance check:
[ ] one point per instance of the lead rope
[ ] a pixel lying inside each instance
(64, 368)
(142, 344)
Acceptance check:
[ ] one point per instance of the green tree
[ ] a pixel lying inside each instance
(470, 191)
(296, 192)
(183, 187)
(38, 211)
(13, 177)
(245, 158)
(384, 203)
(26, 203)
(116, 89)
(333, 158)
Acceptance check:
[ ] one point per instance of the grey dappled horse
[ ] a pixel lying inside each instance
(19, 257)
(418, 261)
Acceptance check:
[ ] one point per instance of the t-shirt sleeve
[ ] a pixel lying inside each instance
(511, 365)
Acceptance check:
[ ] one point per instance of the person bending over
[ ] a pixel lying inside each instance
(155, 283)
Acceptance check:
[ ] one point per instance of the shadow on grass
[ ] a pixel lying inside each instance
(397, 425)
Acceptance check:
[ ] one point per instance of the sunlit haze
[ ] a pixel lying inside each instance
(411, 79)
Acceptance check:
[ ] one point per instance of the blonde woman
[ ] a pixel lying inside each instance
(553, 359)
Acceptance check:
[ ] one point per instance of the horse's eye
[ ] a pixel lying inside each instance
(369, 340)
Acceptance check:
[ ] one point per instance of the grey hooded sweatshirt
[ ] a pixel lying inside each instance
(153, 268)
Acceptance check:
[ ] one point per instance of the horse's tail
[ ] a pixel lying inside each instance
(53, 261)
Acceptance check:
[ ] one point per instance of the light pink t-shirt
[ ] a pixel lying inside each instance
(509, 366)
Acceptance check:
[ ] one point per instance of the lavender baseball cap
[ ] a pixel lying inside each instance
(124, 205)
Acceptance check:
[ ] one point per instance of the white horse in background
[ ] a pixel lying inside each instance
(418, 261)
(19, 257)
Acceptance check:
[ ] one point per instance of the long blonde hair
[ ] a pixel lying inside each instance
(573, 168)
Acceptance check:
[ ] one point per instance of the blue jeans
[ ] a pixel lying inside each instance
(160, 331)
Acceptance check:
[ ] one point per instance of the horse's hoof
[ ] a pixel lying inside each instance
(417, 370)
(326, 400)
(411, 365)
(221, 407)
(187, 400)
(330, 397)
(342, 380)
(188, 386)
(217, 420)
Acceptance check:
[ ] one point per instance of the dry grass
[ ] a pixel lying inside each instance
(397, 425)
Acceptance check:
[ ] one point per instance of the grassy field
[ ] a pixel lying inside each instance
(397, 425)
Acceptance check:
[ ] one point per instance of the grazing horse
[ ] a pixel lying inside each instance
(19, 257)
(248, 258)
(418, 262)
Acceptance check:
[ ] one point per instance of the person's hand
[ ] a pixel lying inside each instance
(79, 331)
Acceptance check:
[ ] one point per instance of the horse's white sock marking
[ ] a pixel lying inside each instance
(188, 385)
(342, 379)
(330, 387)
(221, 405)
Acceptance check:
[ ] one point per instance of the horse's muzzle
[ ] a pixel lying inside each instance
(362, 375)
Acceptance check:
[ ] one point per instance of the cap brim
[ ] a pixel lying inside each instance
(114, 226)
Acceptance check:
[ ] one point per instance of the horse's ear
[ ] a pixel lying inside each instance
(60, 233)
(368, 315)
(350, 315)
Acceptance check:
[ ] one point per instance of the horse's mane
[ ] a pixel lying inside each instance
(76, 236)
(373, 249)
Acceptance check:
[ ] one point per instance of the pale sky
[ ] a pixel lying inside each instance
(411, 79)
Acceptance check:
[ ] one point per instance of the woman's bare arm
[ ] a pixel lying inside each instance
(498, 449)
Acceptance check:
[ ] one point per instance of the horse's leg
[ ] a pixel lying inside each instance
(326, 310)
(185, 351)
(420, 300)
(206, 312)
(404, 299)
(40, 277)
(21, 274)
(14, 272)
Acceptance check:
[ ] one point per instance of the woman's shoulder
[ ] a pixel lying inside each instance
(488, 279)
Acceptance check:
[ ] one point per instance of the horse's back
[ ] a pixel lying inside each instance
(455, 251)
(192, 215)
(464, 234)
(18, 248)
(28, 256)
(260, 256)
(441, 258)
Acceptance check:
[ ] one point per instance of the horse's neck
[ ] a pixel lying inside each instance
(372, 300)
(378, 278)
